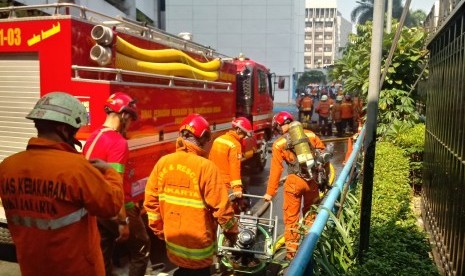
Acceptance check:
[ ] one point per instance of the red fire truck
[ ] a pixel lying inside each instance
(65, 47)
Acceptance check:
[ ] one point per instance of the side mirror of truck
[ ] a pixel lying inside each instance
(281, 82)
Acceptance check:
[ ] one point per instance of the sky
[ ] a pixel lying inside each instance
(346, 6)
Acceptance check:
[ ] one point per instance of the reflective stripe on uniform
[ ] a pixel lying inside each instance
(181, 201)
(153, 216)
(118, 167)
(191, 253)
(48, 224)
(227, 142)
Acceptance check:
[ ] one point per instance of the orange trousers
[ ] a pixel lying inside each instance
(296, 189)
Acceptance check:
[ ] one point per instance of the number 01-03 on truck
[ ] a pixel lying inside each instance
(54, 47)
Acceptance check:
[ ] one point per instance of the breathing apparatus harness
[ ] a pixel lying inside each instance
(306, 166)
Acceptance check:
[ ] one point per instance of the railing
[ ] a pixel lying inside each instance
(169, 81)
(443, 188)
(302, 265)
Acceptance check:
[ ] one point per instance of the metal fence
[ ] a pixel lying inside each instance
(302, 265)
(443, 190)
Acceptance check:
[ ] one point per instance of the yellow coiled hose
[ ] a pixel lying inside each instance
(163, 55)
(170, 69)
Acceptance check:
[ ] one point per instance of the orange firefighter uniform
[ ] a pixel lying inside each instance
(226, 153)
(296, 187)
(336, 116)
(185, 202)
(51, 195)
(347, 114)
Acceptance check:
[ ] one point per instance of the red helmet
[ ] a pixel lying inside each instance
(197, 125)
(120, 102)
(244, 124)
(282, 118)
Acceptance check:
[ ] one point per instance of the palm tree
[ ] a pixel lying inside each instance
(364, 11)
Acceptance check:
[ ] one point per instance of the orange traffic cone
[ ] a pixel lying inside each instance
(350, 145)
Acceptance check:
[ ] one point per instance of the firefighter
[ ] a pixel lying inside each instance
(185, 199)
(347, 113)
(298, 102)
(51, 194)
(226, 153)
(306, 109)
(298, 184)
(324, 111)
(359, 113)
(336, 115)
(109, 144)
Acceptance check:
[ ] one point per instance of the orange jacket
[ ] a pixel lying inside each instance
(323, 109)
(347, 110)
(185, 199)
(280, 153)
(226, 153)
(358, 108)
(306, 103)
(336, 112)
(51, 195)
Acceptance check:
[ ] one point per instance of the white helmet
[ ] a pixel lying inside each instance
(60, 107)
(324, 98)
(339, 98)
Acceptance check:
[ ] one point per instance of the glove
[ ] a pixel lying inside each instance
(267, 197)
(237, 194)
(231, 235)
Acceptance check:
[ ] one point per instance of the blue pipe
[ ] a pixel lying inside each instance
(302, 259)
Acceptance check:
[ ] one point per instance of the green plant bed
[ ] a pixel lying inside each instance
(397, 245)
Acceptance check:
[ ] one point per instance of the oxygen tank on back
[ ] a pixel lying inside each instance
(301, 146)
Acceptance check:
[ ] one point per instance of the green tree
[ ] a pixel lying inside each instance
(396, 102)
(364, 13)
(418, 17)
(312, 76)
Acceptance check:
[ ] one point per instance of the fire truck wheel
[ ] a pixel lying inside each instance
(7, 248)
(259, 162)
(260, 158)
(5, 237)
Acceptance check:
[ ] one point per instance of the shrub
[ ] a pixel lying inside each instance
(397, 245)
(413, 142)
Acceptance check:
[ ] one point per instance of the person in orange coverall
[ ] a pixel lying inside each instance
(226, 153)
(297, 184)
(52, 194)
(186, 199)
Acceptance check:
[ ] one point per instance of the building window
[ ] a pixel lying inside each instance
(328, 24)
(308, 61)
(328, 49)
(308, 24)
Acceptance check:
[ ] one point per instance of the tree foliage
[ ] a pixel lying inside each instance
(312, 76)
(363, 13)
(396, 104)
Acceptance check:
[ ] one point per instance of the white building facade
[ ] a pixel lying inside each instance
(268, 31)
(326, 33)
